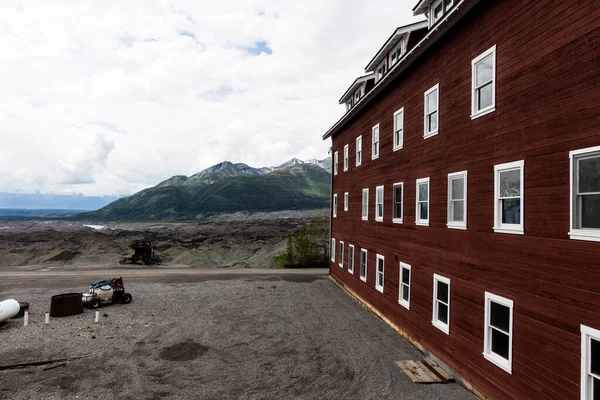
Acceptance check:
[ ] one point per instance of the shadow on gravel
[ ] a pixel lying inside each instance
(185, 351)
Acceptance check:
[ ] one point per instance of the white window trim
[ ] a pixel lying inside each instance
(418, 221)
(346, 201)
(432, 14)
(377, 217)
(427, 134)
(399, 46)
(341, 260)
(359, 148)
(437, 323)
(346, 158)
(351, 265)
(378, 287)
(362, 204)
(592, 235)
(491, 108)
(335, 205)
(453, 224)
(401, 301)
(363, 278)
(398, 146)
(373, 156)
(332, 250)
(335, 163)
(487, 353)
(587, 334)
(499, 227)
(398, 220)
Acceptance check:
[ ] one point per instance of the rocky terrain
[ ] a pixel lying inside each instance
(242, 240)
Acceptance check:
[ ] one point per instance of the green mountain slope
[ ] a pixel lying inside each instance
(300, 186)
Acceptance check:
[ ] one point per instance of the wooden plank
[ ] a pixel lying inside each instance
(417, 372)
(438, 370)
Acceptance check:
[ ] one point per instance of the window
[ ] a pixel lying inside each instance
(432, 115)
(483, 84)
(335, 206)
(422, 202)
(341, 258)
(438, 9)
(396, 54)
(365, 204)
(508, 210)
(358, 151)
(375, 147)
(497, 342)
(399, 129)
(590, 363)
(363, 265)
(351, 258)
(332, 250)
(457, 200)
(585, 194)
(381, 70)
(335, 163)
(345, 158)
(346, 201)
(379, 277)
(398, 202)
(441, 303)
(379, 203)
(404, 292)
(357, 95)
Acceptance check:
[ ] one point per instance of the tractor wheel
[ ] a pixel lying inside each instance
(95, 303)
(126, 299)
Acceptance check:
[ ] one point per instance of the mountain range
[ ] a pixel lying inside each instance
(226, 187)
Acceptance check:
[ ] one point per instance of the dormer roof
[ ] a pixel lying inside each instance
(392, 42)
(422, 7)
(357, 83)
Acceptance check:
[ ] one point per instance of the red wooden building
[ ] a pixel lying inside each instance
(466, 192)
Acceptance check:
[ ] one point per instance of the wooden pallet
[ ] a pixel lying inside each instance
(425, 371)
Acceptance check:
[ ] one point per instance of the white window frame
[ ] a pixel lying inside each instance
(575, 232)
(346, 159)
(374, 130)
(435, 320)
(346, 200)
(399, 54)
(378, 189)
(377, 286)
(487, 352)
(475, 113)
(426, 132)
(418, 220)
(366, 253)
(335, 163)
(365, 205)
(432, 20)
(402, 286)
(399, 145)
(341, 256)
(587, 334)
(332, 250)
(499, 227)
(351, 258)
(395, 219)
(359, 151)
(377, 71)
(335, 205)
(454, 224)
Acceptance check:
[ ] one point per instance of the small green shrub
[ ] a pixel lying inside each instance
(308, 249)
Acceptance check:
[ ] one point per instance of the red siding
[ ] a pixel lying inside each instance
(547, 104)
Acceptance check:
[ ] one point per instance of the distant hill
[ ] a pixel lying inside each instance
(222, 188)
(39, 201)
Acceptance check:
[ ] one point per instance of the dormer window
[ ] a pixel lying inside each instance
(381, 71)
(396, 54)
(438, 9)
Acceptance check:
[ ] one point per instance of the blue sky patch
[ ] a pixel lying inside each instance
(259, 47)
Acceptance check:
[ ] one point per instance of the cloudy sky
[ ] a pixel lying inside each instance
(108, 97)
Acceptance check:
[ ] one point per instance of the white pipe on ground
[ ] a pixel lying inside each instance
(47, 318)
(8, 309)
(26, 318)
(97, 316)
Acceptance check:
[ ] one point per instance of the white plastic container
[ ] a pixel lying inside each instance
(8, 309)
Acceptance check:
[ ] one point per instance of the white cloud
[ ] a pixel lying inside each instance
(111, 97)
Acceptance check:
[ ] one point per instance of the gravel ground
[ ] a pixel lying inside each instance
(254, 337)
